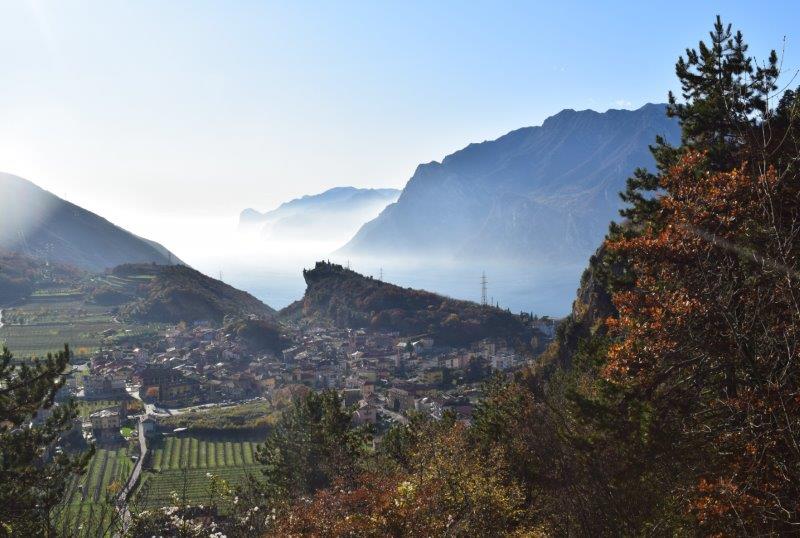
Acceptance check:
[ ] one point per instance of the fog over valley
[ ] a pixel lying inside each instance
(272, 269)
(527, 209)
(476, 269)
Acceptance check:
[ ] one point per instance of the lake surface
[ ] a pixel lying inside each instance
(272, 271)
(277, 279)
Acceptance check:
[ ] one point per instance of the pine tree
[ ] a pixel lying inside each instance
(725, 102)
(32, 476)
(707, 334)
(312, 444)
(724, 96)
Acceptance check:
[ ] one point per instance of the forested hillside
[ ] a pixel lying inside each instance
(21, 275)
(175, 293)
(344, 298)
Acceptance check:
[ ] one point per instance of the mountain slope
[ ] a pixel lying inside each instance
(334, 214)
(344, 298)
(538, 193)
(138, 292)
(20, 275)
(37, 223)
(591, 309)
(175, 293)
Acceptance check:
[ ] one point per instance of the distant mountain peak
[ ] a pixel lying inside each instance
(543, 193)
(334, 214)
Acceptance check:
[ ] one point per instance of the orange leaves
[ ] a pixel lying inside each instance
(448, 491)
(721, 498)
(711, 326)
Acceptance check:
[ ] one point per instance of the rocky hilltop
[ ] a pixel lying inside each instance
(341, 297)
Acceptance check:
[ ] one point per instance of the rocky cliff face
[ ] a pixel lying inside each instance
(591, 308)
(536, 194)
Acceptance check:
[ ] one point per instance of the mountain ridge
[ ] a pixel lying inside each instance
(545, 192)
(335, 214)
(331, 196)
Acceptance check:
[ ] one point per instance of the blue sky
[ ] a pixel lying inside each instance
(203, 108)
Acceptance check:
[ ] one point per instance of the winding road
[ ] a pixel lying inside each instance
(122, 504)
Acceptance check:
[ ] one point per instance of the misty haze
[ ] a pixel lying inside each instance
(412, 269)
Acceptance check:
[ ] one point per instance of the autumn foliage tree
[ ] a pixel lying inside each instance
(709, 302)
(669, 404)
(443, 488)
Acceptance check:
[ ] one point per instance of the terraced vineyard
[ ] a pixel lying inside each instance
(87, 506)
(47, 321)
(181, 465)
(195, 452)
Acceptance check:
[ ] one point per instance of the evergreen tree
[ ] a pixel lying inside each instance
(312, 444)
(724, 96)
(725, 102)
(32, 475)
(706, 338)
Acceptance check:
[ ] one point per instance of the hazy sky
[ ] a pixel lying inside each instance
(134, 109)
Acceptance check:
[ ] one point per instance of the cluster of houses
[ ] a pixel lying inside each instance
(105, 425)
(379, 373)
(187, 366)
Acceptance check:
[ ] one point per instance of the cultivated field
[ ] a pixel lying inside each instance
(181, 465)
(88, 506)
(195, 452)
(50, 319)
